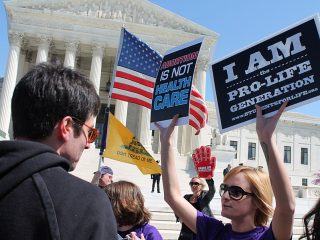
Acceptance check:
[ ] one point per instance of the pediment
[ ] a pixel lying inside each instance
(133, 11)
(300, 117)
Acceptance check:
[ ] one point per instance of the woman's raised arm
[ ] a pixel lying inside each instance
(172, 195)
(282, 221)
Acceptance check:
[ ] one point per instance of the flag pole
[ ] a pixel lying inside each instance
(105, 134)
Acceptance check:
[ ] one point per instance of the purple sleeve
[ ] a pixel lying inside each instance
(151, 233)
(208, 227)
(268, 235)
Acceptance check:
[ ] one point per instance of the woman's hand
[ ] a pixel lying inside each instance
(165, 133)
(133, 236)
(266, 126)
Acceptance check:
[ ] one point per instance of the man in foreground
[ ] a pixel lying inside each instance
(53, 111)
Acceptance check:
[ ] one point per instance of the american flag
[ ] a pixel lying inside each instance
(198, 111)
(136, 72)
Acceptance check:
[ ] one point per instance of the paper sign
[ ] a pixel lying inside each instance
(172, 90)
(282, 67)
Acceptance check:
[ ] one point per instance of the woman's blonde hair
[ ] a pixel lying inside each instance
(261, 188)
(202, 181)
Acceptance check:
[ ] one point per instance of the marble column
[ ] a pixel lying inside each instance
(200, 84)
(96, 65)
(43, 49)
(120, 111)
(70, 55)
(186, 140)
(22, 60)
(9, 81)
(145, 134)
(156, 142)
(95, 70)
(175, 141)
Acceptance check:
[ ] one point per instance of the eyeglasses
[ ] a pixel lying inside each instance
(93, 133)
(194, 184)
(235, 192)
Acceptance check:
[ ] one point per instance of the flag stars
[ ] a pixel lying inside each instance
(138, 56)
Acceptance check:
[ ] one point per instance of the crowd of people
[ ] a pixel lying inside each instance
(53, 114)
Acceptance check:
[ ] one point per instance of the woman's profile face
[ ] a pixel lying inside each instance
(233, 205)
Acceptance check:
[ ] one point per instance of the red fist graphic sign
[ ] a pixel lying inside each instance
(204, 163)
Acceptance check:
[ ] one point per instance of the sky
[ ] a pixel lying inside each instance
(238, 23)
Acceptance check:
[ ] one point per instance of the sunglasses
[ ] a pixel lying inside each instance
(93, 133)
(194, 184)
(235, 192)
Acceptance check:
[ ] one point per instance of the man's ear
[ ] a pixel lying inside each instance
(65, 128)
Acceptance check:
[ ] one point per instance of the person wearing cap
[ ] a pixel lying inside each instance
(102, 177)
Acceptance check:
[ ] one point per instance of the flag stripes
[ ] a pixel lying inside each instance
(144, 80)
(133, 87)
(198, 112)
(136, 71)
(134, 99)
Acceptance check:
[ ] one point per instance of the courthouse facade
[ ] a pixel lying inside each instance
(84, 34)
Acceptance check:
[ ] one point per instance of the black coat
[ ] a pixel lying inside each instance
(203, 205)
(155, 176)
(39, 199)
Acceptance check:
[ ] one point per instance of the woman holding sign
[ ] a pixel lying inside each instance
(246, 193)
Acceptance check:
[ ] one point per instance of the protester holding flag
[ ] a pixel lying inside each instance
(128, 206)
(246, 193)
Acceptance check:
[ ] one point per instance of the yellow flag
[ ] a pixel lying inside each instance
(122, 146)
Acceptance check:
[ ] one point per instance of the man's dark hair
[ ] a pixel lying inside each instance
(48, 93)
